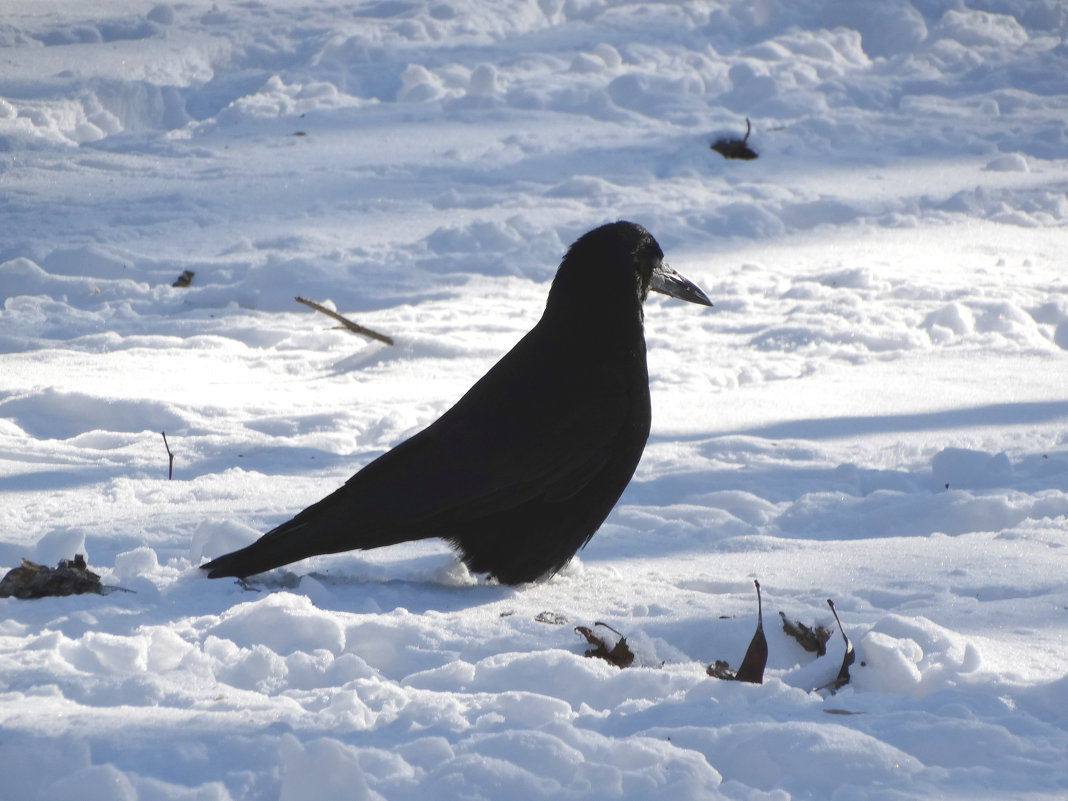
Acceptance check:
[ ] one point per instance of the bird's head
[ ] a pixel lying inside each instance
(613, 268)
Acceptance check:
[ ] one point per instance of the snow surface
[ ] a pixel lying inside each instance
(875, 410)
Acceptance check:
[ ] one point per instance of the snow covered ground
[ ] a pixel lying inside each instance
(875, 411)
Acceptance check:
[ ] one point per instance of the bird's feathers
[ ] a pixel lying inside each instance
(521, 472)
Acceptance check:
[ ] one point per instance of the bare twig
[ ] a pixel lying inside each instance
(353, 327)
(170, 457)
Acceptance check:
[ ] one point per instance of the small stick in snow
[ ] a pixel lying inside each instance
(353, 327)
(170, 457)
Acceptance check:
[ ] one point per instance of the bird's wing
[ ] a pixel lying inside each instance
(516, 436)
(551, 450)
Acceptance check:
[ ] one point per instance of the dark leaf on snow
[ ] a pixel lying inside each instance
(619, 654)
(184, 280)
(720, 669)
(850, 656)
(811, 639)
(31, 580)
(736, 148)
(756, 655)
(552, 618)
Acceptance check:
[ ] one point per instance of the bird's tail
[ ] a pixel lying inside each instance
(274, 549)
(256, 558)
(329, 526)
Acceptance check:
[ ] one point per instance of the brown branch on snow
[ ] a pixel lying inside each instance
(353, 327)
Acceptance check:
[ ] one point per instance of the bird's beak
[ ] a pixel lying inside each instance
(669, 282)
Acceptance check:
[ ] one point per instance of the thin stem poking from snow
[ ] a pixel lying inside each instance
(354, 327)
(170, 457)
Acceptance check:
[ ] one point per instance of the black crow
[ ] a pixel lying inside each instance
(521, 472)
